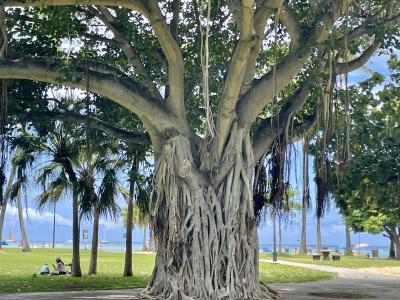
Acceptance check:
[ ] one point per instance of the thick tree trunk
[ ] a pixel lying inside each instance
(396, 241)
(5, 201)
(76, 260)
(349, 250)
(24, 236)
(95, 242)
(303, 239)
(207, 244)
(319, 242)
(144, 238)
(392, 250)
(129, 228)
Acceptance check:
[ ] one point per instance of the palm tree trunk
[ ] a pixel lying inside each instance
(144, 238)
(274, 254)
(5, 201)
(349, 250)
(76, 261)
(54, 225)
(129, 223)
(280, 233)
(24, 237)
(128, 246)
(303, 240)
(319, 243)
(95, 242)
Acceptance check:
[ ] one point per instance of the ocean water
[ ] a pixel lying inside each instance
(120, 247)
(383, 251)
(109, 247)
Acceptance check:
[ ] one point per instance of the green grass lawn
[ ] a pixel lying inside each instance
(352, 262)
(17, 271)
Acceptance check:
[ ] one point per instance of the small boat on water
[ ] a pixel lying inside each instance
(11, 237)
(103, 242)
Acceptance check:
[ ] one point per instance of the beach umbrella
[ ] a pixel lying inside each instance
(341, 246)
(3, 243)
(361, 245)
(266, 250)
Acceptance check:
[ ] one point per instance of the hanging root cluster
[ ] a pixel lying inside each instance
(207, 245)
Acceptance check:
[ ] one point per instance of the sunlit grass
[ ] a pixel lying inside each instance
(17, 271)
(352, 262)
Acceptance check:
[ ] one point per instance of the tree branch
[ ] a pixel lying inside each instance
(93, 122)
(226, 109)
(264, 89)
(263, 12)
(370, 27)
(292, 25)
(136, 5)
(270, 129)
(108, 19)
(115, 86)
(173, 54)
(341, 68)
(151, 11)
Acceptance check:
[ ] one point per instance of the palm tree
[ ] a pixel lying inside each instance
(62, 149)
(21, 162)
(138, 190)
(5, 200)
(142, 219)
(95, 202)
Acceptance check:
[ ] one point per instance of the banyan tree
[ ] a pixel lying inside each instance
(217, 85)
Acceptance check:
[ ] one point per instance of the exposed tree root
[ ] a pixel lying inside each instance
(207, 244)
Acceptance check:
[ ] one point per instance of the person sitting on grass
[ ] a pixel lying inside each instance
(45, 270)
(59, 268)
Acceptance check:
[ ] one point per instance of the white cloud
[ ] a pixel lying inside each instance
(34, 216)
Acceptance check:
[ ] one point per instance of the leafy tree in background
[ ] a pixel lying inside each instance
(211, 107)
(368, 192)
(63, 150)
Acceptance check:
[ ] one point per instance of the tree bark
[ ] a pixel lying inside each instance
(303, 240)
(319, 242)
(144, 238)
(206, 233)
(54, 225)
(274, 253)
(76, 261)
(392, 250)
(129, 224)
(95, 242)
(396, 241)
(280, 233)
(349, 250)
(24, 236)
(305, 198)
(5, 201)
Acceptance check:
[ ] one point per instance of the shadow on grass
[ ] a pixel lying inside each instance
(67, 283)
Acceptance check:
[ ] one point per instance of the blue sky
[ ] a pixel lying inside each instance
(39, 224)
